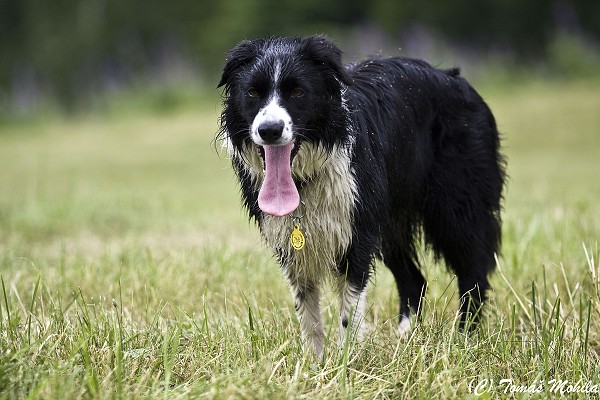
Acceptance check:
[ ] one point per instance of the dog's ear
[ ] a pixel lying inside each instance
(240, 55)
(324, 52)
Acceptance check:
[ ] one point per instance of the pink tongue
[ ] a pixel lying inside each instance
(278, 194)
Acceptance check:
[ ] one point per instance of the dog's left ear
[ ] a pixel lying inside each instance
(240, 55)
(323, 51)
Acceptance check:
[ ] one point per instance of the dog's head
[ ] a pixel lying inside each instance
(280, 92)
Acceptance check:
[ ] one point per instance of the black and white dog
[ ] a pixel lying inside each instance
(340, 165)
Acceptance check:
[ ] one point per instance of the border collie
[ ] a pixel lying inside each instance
(341, 165)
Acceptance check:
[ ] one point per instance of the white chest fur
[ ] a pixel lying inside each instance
(328, 196)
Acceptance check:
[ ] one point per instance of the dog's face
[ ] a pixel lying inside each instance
(280, 93)
(281, 89)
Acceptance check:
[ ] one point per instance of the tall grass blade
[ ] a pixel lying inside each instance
(31, 308)
(9, 328)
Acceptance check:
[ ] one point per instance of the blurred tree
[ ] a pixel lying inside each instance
(73, 49)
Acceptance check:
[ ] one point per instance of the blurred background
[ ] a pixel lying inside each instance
(70, 56)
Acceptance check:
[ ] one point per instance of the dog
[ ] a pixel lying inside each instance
(343, 165)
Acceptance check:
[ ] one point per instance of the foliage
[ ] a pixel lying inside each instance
(74, 51)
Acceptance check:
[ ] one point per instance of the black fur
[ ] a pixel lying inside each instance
(426, 157)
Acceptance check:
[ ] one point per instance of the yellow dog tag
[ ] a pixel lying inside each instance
(297, 238)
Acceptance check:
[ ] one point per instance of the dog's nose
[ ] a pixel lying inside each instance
(270, 131)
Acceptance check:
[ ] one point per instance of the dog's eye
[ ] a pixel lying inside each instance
(297, 93)
(252, 92)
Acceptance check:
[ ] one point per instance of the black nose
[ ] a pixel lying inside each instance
(270, 131)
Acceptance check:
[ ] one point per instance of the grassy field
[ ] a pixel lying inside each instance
(128, 270)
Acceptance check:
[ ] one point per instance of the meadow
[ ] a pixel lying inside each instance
(129, 270)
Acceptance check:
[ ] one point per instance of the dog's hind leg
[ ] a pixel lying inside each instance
(473, 293)
(307, 297)
(467, 236)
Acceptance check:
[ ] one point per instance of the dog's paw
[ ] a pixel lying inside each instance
(405, 326)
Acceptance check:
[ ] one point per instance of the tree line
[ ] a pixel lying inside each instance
(67, 49)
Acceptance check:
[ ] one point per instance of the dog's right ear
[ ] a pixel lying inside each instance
(240, 55)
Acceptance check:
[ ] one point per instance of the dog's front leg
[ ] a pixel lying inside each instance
(307, 303)
(352, 310)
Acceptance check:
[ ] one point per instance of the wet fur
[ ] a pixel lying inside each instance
(386, 151)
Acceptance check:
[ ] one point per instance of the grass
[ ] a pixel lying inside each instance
(128, 270)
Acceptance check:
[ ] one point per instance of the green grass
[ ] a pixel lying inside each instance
(128, 270)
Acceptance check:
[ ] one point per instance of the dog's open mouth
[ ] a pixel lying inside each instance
(278, 194)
